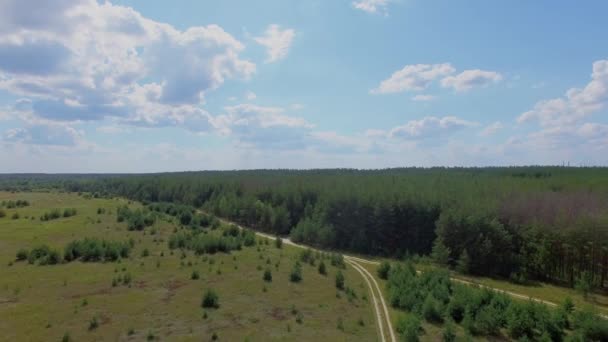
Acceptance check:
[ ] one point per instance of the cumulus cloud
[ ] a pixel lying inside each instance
(83, 60)
(471, 78)
(371, 6)
(413, 77)
(40, 134)
(576, 104)
(267, 127)
(430, 127)
(491, 129)
(276, 41)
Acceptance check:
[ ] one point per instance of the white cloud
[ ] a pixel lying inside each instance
(471, 78)
(429, 127)
(266, 127)
(250, 95)
(276, 41)
(423, 98)
(413, 77)
(371, 6)
(491, 129)
(56, 135)
(576, 105)
(82, 60)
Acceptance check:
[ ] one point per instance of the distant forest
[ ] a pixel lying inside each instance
(522, 223)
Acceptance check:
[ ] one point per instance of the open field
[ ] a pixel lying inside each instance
(41, 303)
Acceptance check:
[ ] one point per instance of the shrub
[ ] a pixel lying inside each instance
(210, 300)
(93, 323)
(278, 242)
(69, 212)
(93, 250)
(296, 273)
(383, 270)
(409, 328)
(267, 275)
(66, 337)
(145, 253)
(340, 280)
(430, 310)
(321, 268)
(22, 254)
(448, 334)
(337, 260)
(2, 213)
(195, 275)
(15, 216)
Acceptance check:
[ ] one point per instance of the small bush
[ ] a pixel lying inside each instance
(383, 270)
(15, 216)
(210, 300)
(340, 280)
(322, 270)
(93, 323)
(267, 275)
(195, 275)
(278, 242)
(409, 328)
(22, 254)
(296, 273)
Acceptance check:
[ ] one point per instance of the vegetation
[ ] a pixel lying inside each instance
(210, 300)
(44, 303)
(432, 296)
(94, 250)
(538, 223)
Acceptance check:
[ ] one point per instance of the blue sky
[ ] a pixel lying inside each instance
(145, 86)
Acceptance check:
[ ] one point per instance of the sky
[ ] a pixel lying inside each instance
(155, 86)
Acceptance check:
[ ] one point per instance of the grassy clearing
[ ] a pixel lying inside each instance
(162, 301)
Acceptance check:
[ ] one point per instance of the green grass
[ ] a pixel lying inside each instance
(45, 302)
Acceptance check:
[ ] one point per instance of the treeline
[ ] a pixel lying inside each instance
(433, 297)
(534, 223)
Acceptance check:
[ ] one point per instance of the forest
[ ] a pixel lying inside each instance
(522, 223)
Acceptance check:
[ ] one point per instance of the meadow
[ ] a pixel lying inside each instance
(82, 301)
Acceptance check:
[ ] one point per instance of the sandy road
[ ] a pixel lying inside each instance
(379, 319)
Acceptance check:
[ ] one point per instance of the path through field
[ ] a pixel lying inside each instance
(383, 319)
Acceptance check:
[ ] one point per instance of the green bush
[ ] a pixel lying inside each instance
(383, 270)
(296, 273)
(322, 270)
(409, 328)
(431, 311)
(195, 275)
(339, 280)
(22, 254)
(267, 275)
(210, 300)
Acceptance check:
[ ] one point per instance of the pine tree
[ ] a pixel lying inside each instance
(440, 252)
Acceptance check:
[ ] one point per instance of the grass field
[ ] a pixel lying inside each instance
(43, 303)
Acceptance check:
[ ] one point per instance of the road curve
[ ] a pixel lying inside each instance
(455, 279)
(374, 289)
